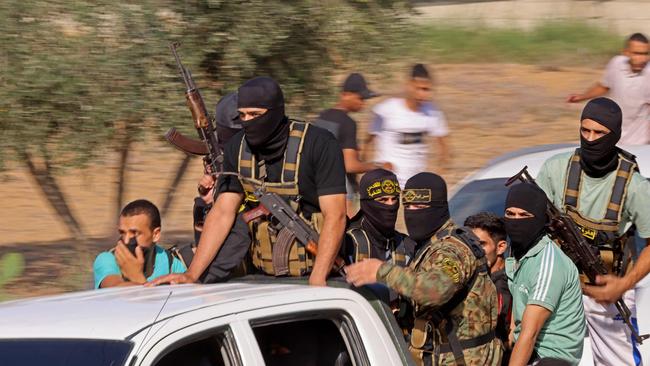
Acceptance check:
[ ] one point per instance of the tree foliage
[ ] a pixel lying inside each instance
(78, 75)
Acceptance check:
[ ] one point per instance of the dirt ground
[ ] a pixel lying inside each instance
(491, 109)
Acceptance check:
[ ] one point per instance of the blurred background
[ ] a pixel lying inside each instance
(88, 89)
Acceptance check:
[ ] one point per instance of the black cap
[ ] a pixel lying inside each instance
(355, 83)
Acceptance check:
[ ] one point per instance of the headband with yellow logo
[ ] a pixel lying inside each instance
(383, 187)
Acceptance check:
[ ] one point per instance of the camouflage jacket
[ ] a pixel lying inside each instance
(441, 268)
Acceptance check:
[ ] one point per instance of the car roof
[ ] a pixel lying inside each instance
(118, 313)
(509, 164)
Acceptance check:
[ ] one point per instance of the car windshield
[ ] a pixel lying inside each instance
(69, 352)
(479, 195)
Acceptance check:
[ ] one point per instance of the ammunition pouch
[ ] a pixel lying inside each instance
(274, 249)
(603, 233)
(427, 340)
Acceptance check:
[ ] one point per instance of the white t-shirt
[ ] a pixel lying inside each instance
(632, 93)
(401, 135)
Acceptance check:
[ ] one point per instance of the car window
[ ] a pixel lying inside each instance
(326, 341)
(479, 195)
(64, 352)
(207, 349)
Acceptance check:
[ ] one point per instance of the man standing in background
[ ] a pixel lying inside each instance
(338, 121)
(627, 81)
(402, 125)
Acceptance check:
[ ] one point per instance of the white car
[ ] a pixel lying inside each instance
(485, 190)
(239, 323)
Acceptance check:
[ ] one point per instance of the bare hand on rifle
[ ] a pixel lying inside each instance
(608, 289)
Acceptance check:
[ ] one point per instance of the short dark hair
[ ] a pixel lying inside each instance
(637, 37)
(420, 71)
(493, 224)
(143, 207)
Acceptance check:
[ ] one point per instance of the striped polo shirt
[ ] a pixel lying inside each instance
(545, 276)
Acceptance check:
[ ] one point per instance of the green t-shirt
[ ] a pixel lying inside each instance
(545, 276)
(595, 193)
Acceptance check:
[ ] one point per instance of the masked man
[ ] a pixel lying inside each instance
(601, 190)
(547, 307)
(301, 163)
(371, 233)
(454, 300)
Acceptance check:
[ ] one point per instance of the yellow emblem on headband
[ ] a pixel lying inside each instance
(389, 187)
(386, 187)
(416, 196)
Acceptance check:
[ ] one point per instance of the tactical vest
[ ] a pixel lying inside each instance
(434, 332)
(602, 233)
(267, 239)
(362, 245)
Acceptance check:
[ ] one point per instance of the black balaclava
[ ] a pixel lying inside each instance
(380, 218)
(227, 118)
(525, 233)
(600, 156)
(267, 134)
(429, 189)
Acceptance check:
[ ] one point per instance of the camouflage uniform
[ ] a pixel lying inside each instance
(441, 269)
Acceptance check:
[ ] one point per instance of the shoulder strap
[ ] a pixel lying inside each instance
(572, 184)
(361, 244)
(465, 236)
(626, 167)
(291, 165)
(246, 162)
(170, 259)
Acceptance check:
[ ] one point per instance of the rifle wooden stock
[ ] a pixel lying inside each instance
(252, 214)
(186, 144)
(197, 108)
(202, 123)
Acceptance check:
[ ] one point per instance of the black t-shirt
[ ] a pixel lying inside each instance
(321, 171)
(341, 126)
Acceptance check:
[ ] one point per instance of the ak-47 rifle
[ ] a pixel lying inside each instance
(209, 144)
(272, 207)
(585, 256)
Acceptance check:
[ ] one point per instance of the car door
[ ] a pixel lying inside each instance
(197, 339)
(322, 333)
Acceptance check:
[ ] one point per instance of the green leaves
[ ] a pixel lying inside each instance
(78, 75)
(12, 266)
